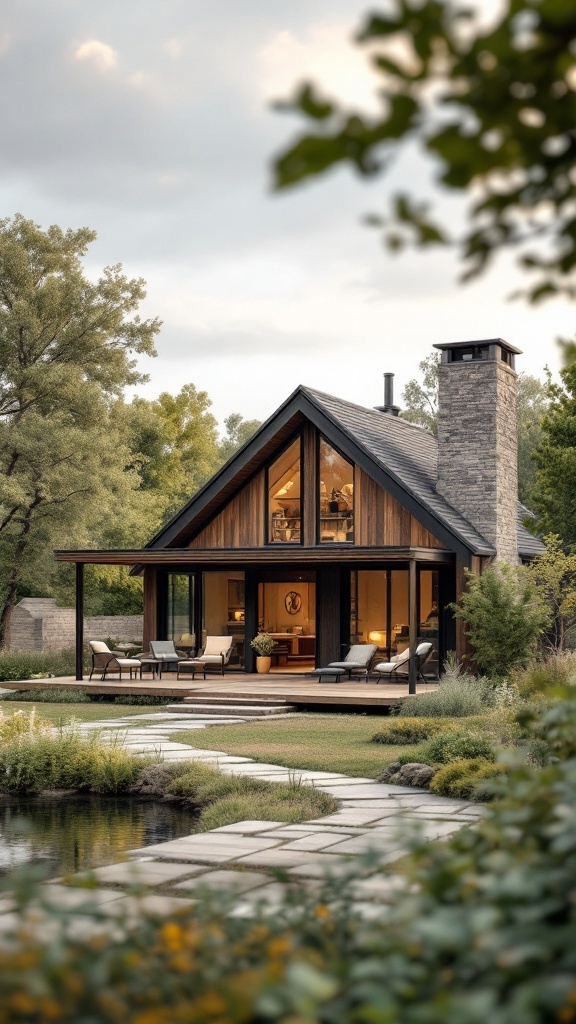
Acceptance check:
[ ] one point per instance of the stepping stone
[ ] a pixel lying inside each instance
(232, 881)
(278, 858)
(317, 841)
(149, 873)
(248, 827)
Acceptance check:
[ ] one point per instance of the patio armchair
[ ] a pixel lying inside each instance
(400, 664)
(165, 652)
(111, 661)
(217, 653)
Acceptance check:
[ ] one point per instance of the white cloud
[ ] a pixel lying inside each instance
(102, 56)
(173, 47)
(326, 53)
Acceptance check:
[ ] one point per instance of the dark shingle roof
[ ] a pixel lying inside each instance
(529, 546)
(410, 454)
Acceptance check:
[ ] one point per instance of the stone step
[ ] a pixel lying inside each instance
(248, 699)
(236, 710)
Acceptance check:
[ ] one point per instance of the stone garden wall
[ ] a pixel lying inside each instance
(39, 625)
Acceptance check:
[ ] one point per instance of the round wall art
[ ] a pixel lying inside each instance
(293, 603)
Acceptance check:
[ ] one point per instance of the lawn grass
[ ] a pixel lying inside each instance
(331, 743)
(93, 712)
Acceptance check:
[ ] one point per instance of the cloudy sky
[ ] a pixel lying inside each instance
(151, 122)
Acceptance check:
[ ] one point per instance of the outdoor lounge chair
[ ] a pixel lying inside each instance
(164, 651)
(216, 654)
(357, 661)
(400, 665)
(111, 661)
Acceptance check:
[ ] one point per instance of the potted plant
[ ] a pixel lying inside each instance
(263, 644)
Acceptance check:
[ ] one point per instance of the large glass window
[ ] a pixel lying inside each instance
(284, 497)
(336, 496)
(223, 609)
(429, 614)
(181, 610)
(379, 609)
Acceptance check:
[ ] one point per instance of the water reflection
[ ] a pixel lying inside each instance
(69, 833)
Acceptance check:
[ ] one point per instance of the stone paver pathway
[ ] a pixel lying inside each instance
(243, 857)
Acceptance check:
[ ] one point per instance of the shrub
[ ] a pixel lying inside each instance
(465, 779)
(64, 759)
(15, 665)
(454, 747)
(454, 698)
(21, 723)
(410, 730)
(543, 677)
(504, 618)
(449, 746)
(49, 695)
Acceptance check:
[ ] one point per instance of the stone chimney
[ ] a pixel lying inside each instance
(478, 438)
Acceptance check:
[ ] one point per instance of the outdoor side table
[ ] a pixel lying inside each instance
(155, 666)
(323, 674)
(190, 665)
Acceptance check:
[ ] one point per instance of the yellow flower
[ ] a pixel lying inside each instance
(210, 1004)
(49, 1009)
(278, 947)
(322, 911)
(21, 1002)
(172, 936)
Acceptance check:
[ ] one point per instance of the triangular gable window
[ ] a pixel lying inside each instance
(285, 497)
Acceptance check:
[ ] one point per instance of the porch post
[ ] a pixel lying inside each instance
(412, 626)
(79, 620)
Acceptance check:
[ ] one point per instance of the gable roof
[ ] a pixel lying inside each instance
(398, 455)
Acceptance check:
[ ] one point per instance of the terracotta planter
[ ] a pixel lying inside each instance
(263, 663)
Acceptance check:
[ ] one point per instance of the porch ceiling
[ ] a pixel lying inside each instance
(254, 556)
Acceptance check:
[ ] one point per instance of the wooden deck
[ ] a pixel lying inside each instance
(295, 689)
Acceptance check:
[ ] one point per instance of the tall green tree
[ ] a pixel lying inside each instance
(238, 432)
(554, 576)
(175, 444)
(421, 396)
(555, 485)
(489, 104)
(533, 403)
(66, 351)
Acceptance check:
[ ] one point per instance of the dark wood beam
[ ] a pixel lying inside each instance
(79, 621)
(299, 556)
(412, 625)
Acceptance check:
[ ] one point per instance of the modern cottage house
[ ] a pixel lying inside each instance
(338, 524)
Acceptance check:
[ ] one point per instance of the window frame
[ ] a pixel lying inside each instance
(327, 543)
(269, 541)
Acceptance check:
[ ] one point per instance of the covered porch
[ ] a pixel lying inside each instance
(394, 597)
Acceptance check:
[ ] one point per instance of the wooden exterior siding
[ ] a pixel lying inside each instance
(382, 522)
(241, 523)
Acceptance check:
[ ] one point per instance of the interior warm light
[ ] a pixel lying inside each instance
(284, 491)
(377, 636)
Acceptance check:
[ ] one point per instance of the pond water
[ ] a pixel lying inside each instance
(70, 833)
